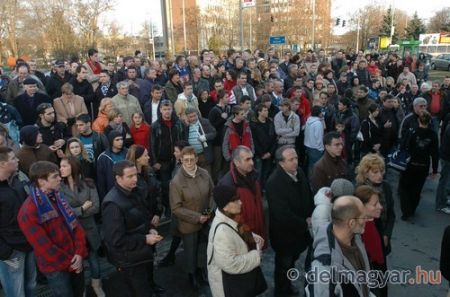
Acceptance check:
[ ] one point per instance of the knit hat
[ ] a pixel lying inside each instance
(224, 194)
(341, 187)
(30, 81)
(28, 135)
(112, 135)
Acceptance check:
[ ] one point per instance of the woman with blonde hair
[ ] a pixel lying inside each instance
(68, 107)
(370, 171)
(100, 123)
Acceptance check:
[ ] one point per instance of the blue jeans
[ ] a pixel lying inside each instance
(18, 275)
(441, 192)
(94, 264)
(314, 155)
(66, 284)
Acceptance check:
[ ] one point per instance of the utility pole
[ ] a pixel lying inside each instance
(184, 26)
(153, 40)
(357, 34)
(392, 20)
(241, 26)
(313, 24)
(251, 36)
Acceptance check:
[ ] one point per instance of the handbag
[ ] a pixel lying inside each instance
(247, 284)
(400, 157)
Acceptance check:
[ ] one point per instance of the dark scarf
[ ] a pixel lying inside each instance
(46, 211)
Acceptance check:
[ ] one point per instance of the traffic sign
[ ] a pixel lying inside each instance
(277, 39)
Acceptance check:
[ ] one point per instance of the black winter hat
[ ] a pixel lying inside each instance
(30, 81)
(224, 194)
(28, 135)
(113, 134)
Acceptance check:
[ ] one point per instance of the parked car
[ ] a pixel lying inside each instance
(441, 61)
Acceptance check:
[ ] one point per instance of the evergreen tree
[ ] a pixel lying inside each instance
(385, 29)
(415, 27)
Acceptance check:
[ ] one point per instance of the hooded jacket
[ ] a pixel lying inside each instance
(314, 133)
(322, 213)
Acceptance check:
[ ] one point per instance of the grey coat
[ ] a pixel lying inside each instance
(86, 218)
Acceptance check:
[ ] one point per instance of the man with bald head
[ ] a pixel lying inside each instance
(338, 247)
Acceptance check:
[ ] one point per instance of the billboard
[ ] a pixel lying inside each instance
(385, 42)
(429, 39)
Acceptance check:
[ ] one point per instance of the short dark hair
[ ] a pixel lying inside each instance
(157, 87)
(373, 107)
(84, 117)
(259, 108)
(173, 72)
(92, 51)
(40, 109)
(131, 68)
(328, 138)
(245, 98)
(120, 166)
(41, 170)
(180, 144)
(242, 73)
(80, 67)
(279, 152)
(105, 71)
(4, 152)
(236, 109)
(346, 102)
(221, 94)
(316, 111)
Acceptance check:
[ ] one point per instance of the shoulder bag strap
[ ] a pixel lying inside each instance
(215, 229)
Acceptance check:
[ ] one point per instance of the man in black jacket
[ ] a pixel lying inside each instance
(17, 263)
(290, 208)
(128, 234)
(166, 131)
(106, 88)
(82, 87)
(57, 78)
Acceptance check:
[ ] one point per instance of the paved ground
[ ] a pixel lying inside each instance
(413, 243)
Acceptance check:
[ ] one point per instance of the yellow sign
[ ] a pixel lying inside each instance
(385, 42)
(445, 37)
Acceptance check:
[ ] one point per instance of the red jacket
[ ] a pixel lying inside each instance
(232, 139)
(252, 213)
(141, 135)
(53, 243)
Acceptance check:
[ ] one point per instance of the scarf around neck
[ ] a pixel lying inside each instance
(46, 210)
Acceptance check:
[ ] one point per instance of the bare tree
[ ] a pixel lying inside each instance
(440, 21)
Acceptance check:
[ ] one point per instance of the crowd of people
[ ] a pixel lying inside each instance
(94, 155)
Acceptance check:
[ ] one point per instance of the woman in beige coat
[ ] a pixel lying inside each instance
(68, 107)
(191, 200)
(231, 248)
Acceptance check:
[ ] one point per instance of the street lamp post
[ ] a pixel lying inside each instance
(313, 24)
(241, 26)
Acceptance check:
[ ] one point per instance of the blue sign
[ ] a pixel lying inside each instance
(277, 40)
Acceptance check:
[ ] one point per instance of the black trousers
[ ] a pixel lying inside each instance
(282, 264)
(136, 280)
(410, 186)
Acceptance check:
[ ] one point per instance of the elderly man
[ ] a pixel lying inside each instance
(27, 103)
(126, 103)
(290, 209)
(411, 120)
(16, 86)
(338, 248)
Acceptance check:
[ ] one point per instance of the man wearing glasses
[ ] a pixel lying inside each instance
(340, 252)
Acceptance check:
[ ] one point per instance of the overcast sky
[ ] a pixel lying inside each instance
(131, 14)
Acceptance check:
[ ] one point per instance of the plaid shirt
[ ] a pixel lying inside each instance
(53, 243)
